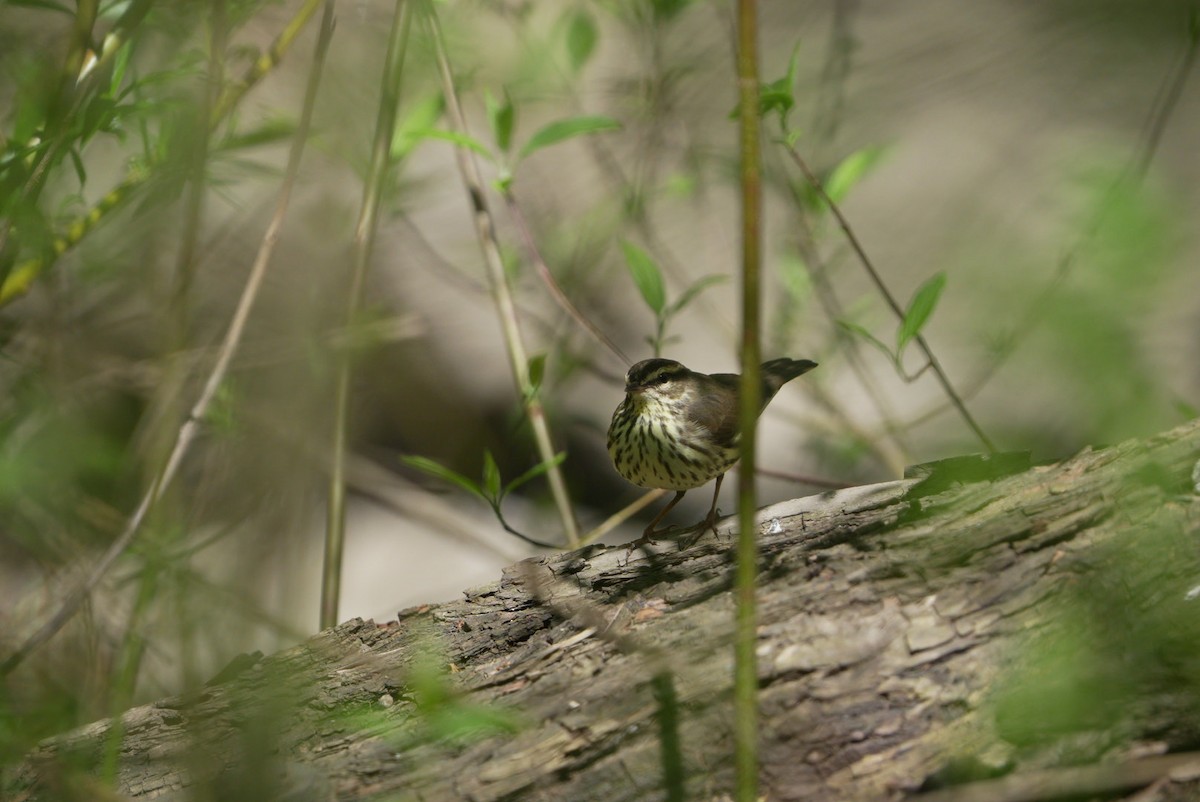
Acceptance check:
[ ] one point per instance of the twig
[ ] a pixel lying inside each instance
(364, 238)
(188, 432)
(621, 516)
(501, 293)
(877, 279)
(556, 290)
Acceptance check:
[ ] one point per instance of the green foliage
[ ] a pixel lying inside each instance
(851, 170)
(1122, 635)
(562, 130)
(647, 277)
(923, 302)
(502, 116)
(916, 315)
(581, 38)
(444, 712)
(490, 488)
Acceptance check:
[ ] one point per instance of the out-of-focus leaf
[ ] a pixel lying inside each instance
(80, 170)
(581, 38)
(535, 471)
(695, 289)
(268, 133)
(501, 116)
(537, 370)
(441, 472)
(462, 140)
(666, 9)
(796, 280)
(923, 302)
(646, 276)
(46, 4)
(558, 131)
(851, 170)
(421, 117)
(859, 331)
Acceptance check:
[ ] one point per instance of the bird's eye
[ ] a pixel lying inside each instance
(660, 378)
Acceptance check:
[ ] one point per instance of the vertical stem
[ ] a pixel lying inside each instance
(501, 292)
(745, 683)
(364, 236)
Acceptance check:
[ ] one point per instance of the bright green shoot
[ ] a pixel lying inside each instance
(648, 278)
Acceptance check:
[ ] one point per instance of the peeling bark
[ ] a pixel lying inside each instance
(888, 614)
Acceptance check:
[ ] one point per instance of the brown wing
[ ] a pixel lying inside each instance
(717, 409)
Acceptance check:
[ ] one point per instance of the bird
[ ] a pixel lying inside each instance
(677, 429)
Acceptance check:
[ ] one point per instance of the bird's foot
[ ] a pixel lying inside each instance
(694, 533)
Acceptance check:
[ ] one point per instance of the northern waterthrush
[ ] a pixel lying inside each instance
(678, 429)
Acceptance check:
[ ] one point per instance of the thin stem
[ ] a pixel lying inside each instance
(498, 280)
(188, 432)
(556, 290)
(745, 682)
(364, 239)
(877, 279)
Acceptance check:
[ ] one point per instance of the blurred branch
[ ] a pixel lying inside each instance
(501, 293)
(233, 335)
(364, 240)
(621, 516)
(551, 282)
(892, 451)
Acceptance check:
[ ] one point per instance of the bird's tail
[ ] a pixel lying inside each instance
(779, 372)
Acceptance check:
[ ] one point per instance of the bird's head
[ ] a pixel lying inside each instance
(657, 379)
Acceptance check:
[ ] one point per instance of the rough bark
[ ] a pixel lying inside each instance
(895, 630)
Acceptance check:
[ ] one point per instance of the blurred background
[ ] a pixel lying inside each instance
(1041, 156)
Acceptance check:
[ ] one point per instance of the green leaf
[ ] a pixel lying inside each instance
(695, 289)
(859, 331)
(581, 39)
(566, 129)
(666, 9)
(923, 302)
(646, 276)
(535, 471)
(462, 140)
(269, 133)
(80, 170)
(491, 476)
(501, 116)
(796, 279)
(776, 96)
(537, 371)
(432, 468)
(120, 65)
(851, 170)
(421, 118)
